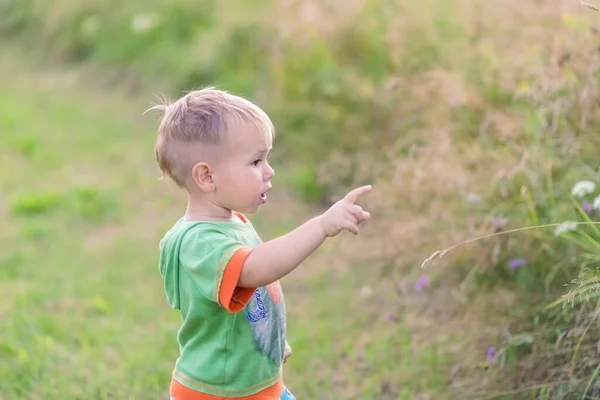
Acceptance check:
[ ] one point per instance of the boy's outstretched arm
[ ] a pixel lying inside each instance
(276, 258)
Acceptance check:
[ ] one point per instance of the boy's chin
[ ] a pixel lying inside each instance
(251, 210)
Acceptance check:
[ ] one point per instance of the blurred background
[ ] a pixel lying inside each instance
(470, 118)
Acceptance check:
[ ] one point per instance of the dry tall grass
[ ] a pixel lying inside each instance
(439, 180)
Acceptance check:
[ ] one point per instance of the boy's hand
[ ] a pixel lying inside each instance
(276, 258)
(288, 352)
(345, 214)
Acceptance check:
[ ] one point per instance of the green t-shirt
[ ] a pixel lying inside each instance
(232, 340)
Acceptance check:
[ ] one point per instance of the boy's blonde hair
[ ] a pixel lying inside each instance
(203, 117)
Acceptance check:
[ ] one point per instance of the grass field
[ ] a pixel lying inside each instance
(466, 125)
(82, 211)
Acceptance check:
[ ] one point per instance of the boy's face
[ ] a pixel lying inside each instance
(243, 174)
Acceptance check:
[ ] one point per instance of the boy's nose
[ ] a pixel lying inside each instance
(270, 172)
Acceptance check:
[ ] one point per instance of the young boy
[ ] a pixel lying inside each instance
(216, 270)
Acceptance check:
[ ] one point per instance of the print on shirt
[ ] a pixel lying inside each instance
(266, 313)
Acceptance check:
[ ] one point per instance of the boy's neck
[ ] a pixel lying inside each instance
(204, 210)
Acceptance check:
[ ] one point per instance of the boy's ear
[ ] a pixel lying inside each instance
(202, 174)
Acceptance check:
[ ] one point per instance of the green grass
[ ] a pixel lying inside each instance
(82, 314)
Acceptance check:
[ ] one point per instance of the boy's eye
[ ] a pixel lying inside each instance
(256, 162)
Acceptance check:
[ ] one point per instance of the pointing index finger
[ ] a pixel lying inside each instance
(356, 193)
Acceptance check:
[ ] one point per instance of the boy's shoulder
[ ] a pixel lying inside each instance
(201, 248)
(189, 233)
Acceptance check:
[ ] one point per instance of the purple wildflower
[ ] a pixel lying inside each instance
(491, 353)
(391, 317)
(498, 222)
(421, 283)
(517, 262)
(587, 207)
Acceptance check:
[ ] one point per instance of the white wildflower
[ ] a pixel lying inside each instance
(596, 204)
(474, 198)
(142, 23)
(582, 188)
(565, 227)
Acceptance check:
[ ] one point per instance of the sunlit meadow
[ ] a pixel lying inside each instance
(476, 122)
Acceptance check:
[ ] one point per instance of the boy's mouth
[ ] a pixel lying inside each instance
(263, 196)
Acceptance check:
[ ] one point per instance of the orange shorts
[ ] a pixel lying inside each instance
(180, 392)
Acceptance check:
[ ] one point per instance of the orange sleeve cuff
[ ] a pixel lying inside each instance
(232, 297)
